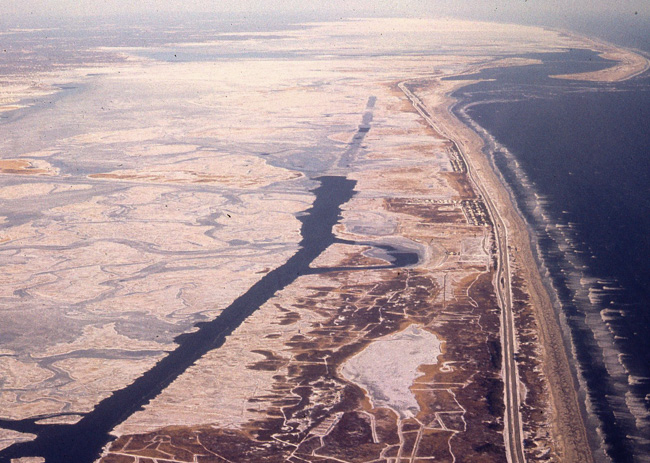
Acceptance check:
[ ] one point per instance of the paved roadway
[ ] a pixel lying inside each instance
(513, 434)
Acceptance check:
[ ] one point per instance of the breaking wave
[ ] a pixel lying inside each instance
(588, 308)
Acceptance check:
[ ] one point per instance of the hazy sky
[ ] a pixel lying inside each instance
(625, 22)
(490, 9)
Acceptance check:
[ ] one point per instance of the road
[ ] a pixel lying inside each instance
(513, 434)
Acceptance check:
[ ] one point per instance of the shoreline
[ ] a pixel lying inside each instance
(629, 63)
(590, 422)
(585, 403)
(613, 424)
(572, 443)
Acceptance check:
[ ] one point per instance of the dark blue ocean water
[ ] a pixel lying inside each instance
(576, 157)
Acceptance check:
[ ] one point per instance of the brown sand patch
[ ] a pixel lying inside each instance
(21, 166)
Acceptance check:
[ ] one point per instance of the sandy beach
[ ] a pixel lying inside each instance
(569, 433)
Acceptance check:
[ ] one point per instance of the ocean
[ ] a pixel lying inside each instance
(576, 159)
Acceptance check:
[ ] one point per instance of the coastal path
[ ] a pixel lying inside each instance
(513, 434)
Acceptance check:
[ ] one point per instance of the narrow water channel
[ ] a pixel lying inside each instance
(83, 441)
